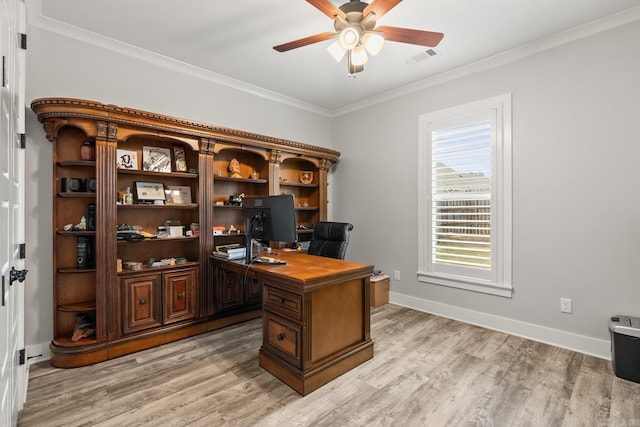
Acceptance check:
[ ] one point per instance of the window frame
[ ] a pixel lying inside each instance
(497, 281)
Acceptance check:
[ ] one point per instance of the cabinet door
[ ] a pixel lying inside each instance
(253, 291)
(142, 302)
(179, 295)
(228, 289)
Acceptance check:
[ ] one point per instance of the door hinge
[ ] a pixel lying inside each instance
(23, 41)
(22, 248)
(23, 141)
(21, 356)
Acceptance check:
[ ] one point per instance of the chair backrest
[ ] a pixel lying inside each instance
(330, 239)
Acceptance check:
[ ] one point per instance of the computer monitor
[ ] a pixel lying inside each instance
(268, 218)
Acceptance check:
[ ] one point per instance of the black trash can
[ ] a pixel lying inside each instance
(625, 347)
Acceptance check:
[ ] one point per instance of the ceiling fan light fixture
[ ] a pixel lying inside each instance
(359, 55)
(349, 37)
(336, 50)
(373, 42)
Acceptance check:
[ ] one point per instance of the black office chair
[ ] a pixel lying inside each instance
(330, 239)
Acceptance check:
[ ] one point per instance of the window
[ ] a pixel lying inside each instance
(465, 197)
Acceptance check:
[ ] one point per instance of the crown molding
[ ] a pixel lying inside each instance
(595, 27)
(37, 20)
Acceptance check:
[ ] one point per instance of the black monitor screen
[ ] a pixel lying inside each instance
(269, 218)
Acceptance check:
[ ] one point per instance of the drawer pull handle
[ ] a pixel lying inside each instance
(281, 300)
(179, 295)
(280, 337)
(143, 301)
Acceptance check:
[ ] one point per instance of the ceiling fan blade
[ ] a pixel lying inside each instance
(327, 8)
(406, 35)
(316, 38)
(380, 7)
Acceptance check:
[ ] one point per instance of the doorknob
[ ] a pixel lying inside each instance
(18, 275)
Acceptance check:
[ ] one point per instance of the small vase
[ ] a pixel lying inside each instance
(87, 151)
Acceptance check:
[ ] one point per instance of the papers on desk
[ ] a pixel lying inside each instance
(230, 252)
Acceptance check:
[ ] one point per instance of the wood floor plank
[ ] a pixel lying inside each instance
(426, 371)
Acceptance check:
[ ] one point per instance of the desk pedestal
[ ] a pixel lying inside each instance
(316, 322)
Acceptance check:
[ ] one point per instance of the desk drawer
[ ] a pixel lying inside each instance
(283, 302)
(283, 338)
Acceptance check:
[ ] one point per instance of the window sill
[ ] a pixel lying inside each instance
(467, 284)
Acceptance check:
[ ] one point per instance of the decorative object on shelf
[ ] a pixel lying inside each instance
(178, 194)
(87, 151)
(254, 175)
(85, 327)
(150, 191)
(218, 173)
(306, 177)
(83, 252)
(127, 159)
(195, 229)
(156, 159)
(127, 197)
(235, 199)
(82, 225)
(180, 158)
(234, 169)
(91, 216)
(70, 185)
(90, 185)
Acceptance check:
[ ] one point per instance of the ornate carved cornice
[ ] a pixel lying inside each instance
(47, 108)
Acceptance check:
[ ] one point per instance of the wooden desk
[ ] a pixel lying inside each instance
(316, 321)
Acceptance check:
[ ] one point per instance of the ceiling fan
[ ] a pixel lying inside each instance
(356, 32)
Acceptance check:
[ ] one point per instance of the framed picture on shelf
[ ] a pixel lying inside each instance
(156, 159)
(180, 158)
(127, 159)
(178, 194)
(150, 191)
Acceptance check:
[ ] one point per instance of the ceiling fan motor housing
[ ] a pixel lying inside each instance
(354, 17)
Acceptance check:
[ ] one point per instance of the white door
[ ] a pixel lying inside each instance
(12, 110)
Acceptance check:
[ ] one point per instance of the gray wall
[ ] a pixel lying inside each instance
(575, 235)
(576, 232)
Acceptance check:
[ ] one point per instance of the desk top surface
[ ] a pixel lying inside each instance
(305, 268)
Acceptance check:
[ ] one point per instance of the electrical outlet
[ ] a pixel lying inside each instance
(396, 274)
(566, 305)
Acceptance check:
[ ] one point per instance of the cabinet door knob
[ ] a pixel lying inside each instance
(143, 301)
(281, 300)
(280, 337)
(179, 295)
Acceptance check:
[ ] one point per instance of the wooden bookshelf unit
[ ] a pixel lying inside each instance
(170, 290)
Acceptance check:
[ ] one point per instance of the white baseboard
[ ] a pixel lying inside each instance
(37, 353)
(580, 343)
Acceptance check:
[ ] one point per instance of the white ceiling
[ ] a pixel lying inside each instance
(234, 38)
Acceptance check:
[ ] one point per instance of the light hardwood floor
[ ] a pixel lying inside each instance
(426, 371)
